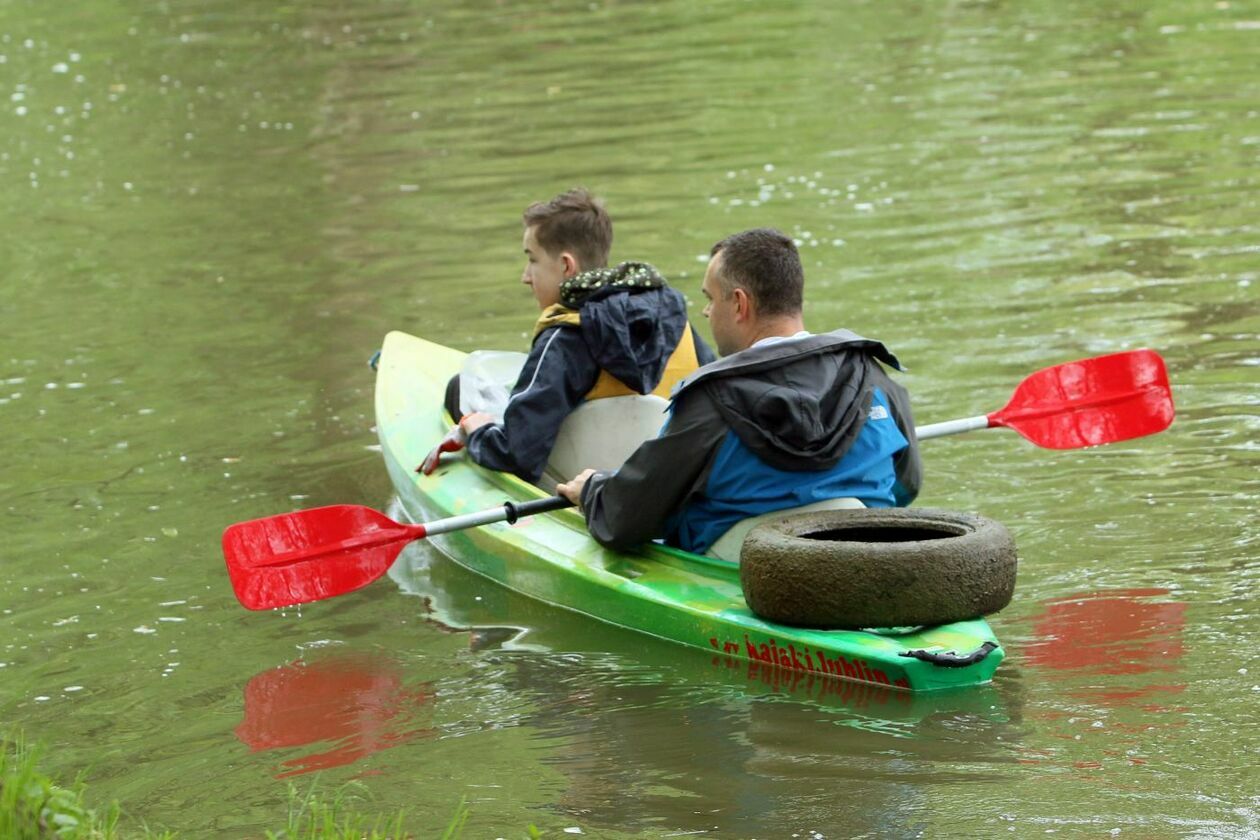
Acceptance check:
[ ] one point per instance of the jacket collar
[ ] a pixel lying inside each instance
(774, 354)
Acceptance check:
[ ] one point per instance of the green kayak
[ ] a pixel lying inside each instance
(658, 590)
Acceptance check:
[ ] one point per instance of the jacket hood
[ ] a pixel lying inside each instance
(632, 332)
(808, 400)
(635, 276)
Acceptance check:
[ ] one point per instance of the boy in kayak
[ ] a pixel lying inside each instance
(602, 332)
(785, 419)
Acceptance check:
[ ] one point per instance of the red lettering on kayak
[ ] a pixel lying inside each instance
(809, 661)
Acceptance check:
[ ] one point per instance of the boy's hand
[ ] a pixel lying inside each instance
(474, 421)
(453, 442)
(572, 489)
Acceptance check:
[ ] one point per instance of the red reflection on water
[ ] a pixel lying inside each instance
(357, 704)
(1110, 632)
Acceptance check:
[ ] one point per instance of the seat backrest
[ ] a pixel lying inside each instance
(602, 434)
(729, 545)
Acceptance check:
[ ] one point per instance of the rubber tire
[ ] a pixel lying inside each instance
(884, 567)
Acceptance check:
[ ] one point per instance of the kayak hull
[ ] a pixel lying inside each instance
(664, 592)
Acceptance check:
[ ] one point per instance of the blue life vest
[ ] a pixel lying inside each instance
(741, 485)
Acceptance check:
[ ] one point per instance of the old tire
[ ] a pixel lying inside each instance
(849, 569)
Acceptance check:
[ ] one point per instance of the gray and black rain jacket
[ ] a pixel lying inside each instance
(776, 426)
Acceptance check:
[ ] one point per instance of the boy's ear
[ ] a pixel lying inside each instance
(569, 262)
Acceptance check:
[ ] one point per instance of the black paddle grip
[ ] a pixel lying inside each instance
(515, 510)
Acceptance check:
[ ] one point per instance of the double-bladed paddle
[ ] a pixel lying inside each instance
(309, 555)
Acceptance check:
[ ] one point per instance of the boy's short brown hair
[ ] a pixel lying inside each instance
(573, 221)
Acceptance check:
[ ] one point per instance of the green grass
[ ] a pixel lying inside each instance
(35, 807)
(313, 818)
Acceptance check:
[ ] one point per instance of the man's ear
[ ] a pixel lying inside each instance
(743, 304)
(569, 263)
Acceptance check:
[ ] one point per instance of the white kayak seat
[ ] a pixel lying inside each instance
(729, 544)
(601, 434)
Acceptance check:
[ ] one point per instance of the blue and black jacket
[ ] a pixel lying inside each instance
(772, 427)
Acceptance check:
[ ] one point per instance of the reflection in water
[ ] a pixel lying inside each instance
(356, 704)
(647, 746)
(1112, 633)
(1109, 632)
(662, 738)
(456, 599)
(1111, 653)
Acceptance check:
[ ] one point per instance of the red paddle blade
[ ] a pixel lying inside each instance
(308, 555)
(1090, 402)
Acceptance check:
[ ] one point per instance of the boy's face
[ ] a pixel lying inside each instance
(543, 272)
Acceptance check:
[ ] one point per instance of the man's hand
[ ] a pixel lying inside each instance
(572, 490)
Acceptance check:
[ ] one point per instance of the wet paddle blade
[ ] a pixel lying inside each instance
(1092, 401)
(308, 555)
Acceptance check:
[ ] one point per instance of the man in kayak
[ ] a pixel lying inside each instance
(602, 332)
(785, 419)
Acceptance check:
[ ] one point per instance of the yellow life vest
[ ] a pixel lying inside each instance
(681, 363)
(557, 315)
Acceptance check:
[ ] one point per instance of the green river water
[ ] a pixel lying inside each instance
(213, 211)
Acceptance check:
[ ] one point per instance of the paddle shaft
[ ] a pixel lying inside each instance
(952, 427)
(509, 512)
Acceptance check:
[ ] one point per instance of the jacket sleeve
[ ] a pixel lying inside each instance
(907, 463)
(631, 506)
(557, 375)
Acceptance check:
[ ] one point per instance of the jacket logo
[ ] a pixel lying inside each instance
(878, 412)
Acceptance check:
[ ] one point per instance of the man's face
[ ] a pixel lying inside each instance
(543, 272)
(721, 310)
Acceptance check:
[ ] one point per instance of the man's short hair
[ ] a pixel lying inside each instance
(574, 221)
(764, 263)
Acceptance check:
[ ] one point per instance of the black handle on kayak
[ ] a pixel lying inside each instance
(515, 510)
(950, 659)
